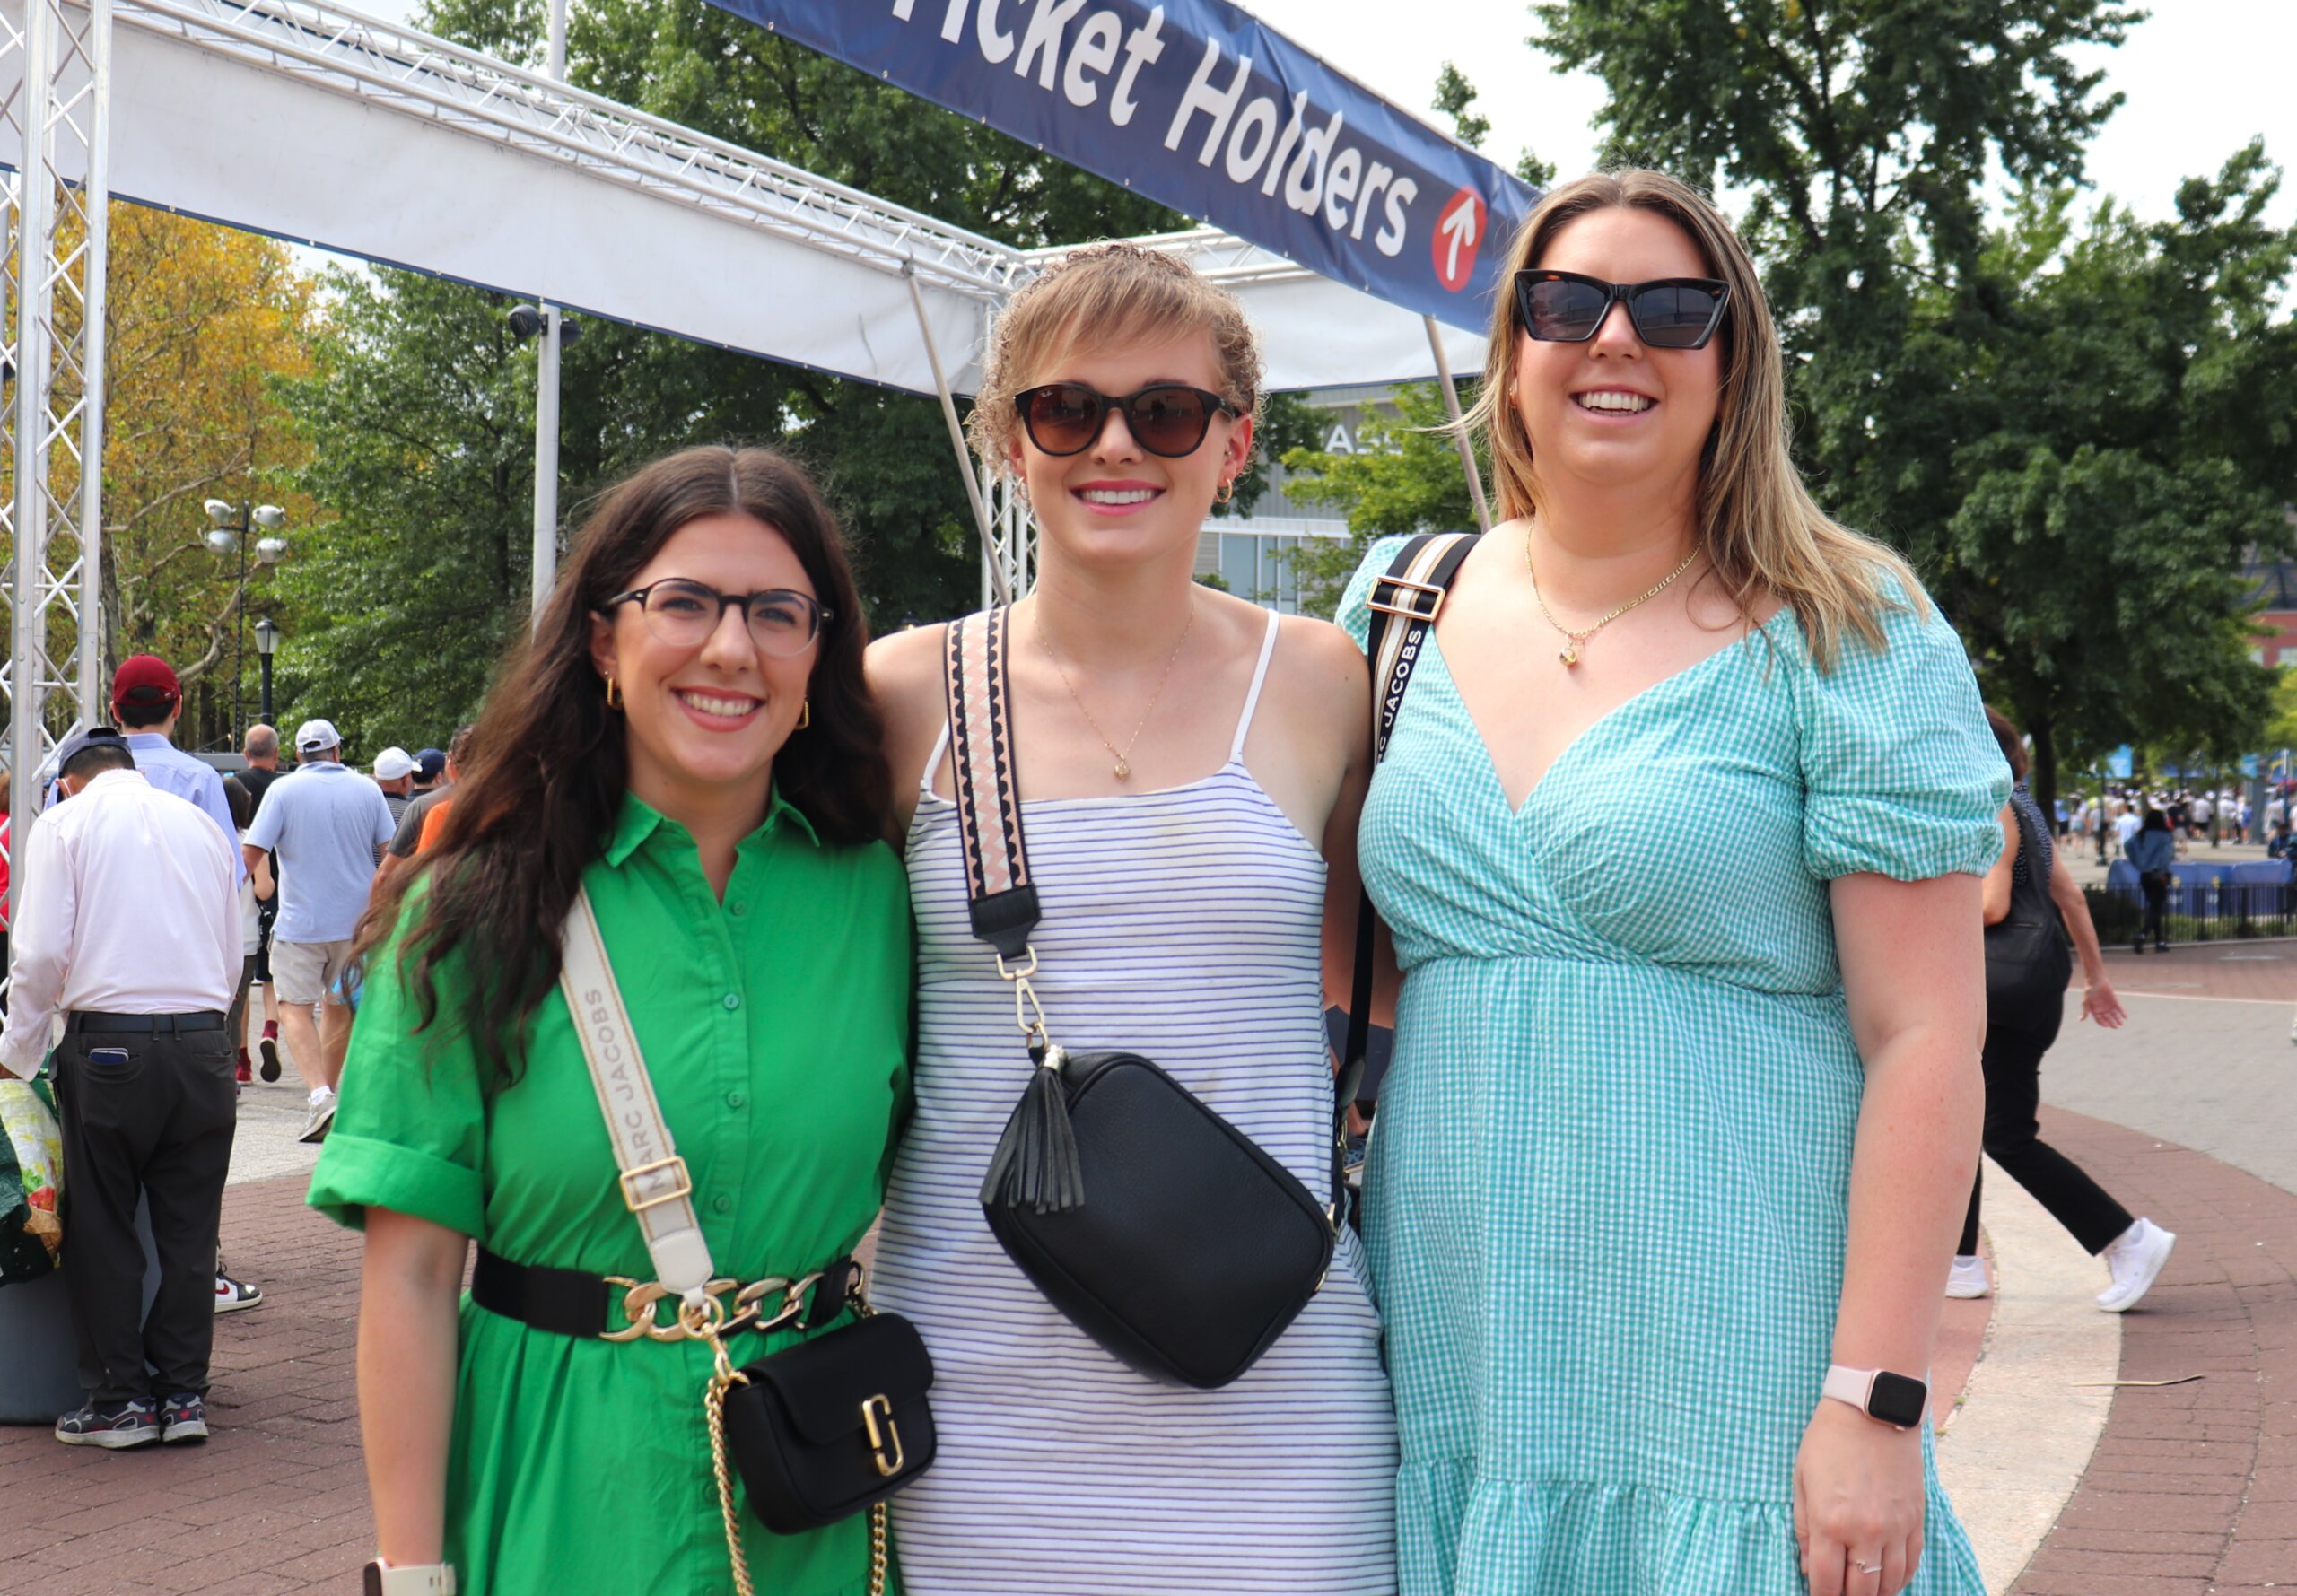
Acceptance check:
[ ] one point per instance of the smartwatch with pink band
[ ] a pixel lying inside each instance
(1897, 1400)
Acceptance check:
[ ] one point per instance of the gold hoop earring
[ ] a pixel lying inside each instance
(1228, 490)
(805, 713)
(614, 695)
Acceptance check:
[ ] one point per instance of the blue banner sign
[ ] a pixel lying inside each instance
(1197, 105)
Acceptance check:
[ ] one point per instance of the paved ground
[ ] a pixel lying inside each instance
(2187, 1114)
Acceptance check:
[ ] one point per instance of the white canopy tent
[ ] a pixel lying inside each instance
(316, 124)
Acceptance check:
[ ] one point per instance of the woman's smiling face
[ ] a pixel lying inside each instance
(706, 720)
(1115, 501)
(1614, 411)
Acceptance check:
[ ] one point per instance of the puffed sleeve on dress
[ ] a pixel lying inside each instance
(1354, 615)
(1902, 776)
(409, 1132)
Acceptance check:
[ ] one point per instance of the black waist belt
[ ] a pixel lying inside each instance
(571, 1302)
(144, 1024)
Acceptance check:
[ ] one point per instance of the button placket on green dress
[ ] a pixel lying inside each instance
(776, 1029)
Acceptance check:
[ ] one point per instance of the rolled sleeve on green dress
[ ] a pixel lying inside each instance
(775, 1021)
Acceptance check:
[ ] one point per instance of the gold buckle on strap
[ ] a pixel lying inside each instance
(683, 1187)
(1407, 609)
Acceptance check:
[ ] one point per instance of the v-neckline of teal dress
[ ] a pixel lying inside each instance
(1638, 700)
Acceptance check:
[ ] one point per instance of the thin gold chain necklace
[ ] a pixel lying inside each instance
(1569, 652)
(1122, 769)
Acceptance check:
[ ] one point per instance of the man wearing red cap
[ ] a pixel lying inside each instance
(146, 701)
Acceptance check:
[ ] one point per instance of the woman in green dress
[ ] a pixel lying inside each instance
(1679, 837)
(687, 736)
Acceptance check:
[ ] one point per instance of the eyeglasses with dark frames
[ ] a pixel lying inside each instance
(1666, 312)
(684, 613)
(1168, 419)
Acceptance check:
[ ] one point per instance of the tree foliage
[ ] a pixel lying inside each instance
(1405, 476)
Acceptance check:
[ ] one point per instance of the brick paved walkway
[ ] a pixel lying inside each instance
(275, 1502)
(2193, 1488)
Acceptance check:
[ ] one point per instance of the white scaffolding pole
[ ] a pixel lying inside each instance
(997, 579)
(1459, 429)
(546, 544)
(54, 427)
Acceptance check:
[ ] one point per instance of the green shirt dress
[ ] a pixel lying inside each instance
(776, 1027)
(1608, 1191)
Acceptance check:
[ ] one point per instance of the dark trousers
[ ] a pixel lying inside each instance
(2156, 889)
(2013, 1090)
(159, 1127)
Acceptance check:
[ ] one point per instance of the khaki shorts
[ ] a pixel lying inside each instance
(307, 971)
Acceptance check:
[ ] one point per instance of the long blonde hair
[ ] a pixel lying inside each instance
(1762, 532)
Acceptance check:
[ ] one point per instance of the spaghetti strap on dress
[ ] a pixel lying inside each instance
(1182, 924)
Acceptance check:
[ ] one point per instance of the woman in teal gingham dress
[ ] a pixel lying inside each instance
(1610, 1195)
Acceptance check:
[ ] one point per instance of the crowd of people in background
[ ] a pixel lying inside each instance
(2106, 821)
(113, 935)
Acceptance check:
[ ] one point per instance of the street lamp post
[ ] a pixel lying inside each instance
(230, 526)
(266, 644)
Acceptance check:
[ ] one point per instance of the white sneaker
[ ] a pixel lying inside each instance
(1967, 1278)
(321, 1119)
(2136, 1258)
(231, 1295)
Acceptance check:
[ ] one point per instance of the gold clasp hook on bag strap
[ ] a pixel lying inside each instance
(1029, 1013)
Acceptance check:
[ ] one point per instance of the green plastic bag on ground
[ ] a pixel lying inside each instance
(31, 1180)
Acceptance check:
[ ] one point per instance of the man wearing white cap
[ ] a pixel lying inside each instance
(395, 774)
(328, 826)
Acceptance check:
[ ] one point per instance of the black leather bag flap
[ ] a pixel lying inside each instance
(819, 1384)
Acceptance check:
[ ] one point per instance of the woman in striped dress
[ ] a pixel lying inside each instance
(1190, 766)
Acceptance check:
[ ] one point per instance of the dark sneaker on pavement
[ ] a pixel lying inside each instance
(231, 1295)
(116, 1427)
(242, 1071)
(269, 1047)
(183, 1417)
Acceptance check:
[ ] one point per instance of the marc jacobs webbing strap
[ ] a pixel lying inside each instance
(654, 1180)
(1405, 601)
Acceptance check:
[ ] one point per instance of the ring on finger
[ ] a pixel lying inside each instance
(1870, 1567)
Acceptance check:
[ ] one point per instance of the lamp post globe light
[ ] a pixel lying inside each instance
(229, 528)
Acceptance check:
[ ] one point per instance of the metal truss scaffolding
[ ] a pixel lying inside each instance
(52, 511)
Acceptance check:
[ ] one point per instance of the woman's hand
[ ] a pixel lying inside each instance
(2099, 1004)
(1858, 1504)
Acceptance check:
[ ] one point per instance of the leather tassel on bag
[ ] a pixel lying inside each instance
(1036, 1163)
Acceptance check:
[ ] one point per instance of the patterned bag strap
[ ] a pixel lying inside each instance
(1410, 595)
(999, 898)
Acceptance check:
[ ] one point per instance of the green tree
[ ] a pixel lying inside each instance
(420, 409)
(1405, 477)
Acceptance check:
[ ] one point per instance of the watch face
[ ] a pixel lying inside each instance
(1898, 1400)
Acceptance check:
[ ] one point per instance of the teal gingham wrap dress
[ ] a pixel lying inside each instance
(1608, 1194)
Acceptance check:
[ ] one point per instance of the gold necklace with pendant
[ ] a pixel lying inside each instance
(1569, 652)
(1122, 769)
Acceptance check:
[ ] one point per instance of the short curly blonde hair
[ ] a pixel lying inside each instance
(1115, 294)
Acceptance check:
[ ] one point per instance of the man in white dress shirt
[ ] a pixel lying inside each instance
(128, 928)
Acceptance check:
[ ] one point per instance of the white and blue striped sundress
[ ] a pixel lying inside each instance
(1182, 924)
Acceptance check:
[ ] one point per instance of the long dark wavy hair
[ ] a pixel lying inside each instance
(547, 785)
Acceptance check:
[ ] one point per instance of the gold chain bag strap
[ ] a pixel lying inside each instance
(819, 1431)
